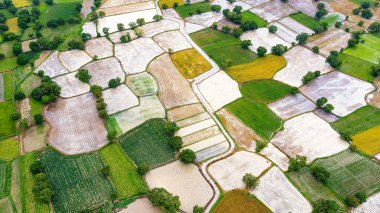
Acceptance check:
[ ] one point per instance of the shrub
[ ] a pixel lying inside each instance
(356, 11)
(120, 27)
(115, 82)
(49, 2)
(140, 21)
(15, 116)
(38, 119)
(326, 206)
(170, 128)
(164, 200)
(245, 44)
(187, 156)
(19, 96)
(360, 23)
(76, 44)
(226, 29)
(214, 25)
(248, 25)
(83, 75)
(199, 11)
(261, 51)
(165, 6)
(278, 49)
(365, 5)
(345, 136)
(237, 32)
(320, 173)
(310, 76)
(374, 27)
(328, 108)
(216, 8)
(272, 29)
(42, 189)
(176, 143)
(302, 38)
(111, 136)
(361, 196)
(157, 17)
(353, 148)
(338, 24)
(352, 201)
(366, 13)
(143, 169)
(96, 90)
(2, 56)
(198, 209)
(237, 9)
(375, 70)
(250, 180)
(105, 171)
(24, 124)
(22, 59)
(175, 4)
(321, 102)
(260, 145)
(294, 90)
(36, 167)
(315, 49)
(334, 61)
(17, 48)
(295, 164)
(48, 91)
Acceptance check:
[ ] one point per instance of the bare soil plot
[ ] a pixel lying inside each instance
(192, 120)
(245, 137)
(332, 39)
(171, 13)
(112, 21)
(25, 45)
(295, 26)
(372, 205)
(344, 92)
(191, 28)
(100, 47)
(52, 66)
(205, 19)
(255, 3)
(211, 152)
(34, 138)
(262, 37)
(229, 171)
(115, 37)
(374, 98)
(90, 28)
(183, 112)
(141, 205)
(173, 40)
(206, 143)
(305, 6)
(297, 66)
(276, 156)
(74, 130)
(119, 99)
(174, 90)
(310, 136)
(86, 7)
(285, 33)
(154, 28)
(326, 116)
(351, 26)
(128, 8)
(150, 107)
(74, 59)
(43, 55)
(219, 90)
(277, 193)
(291, 106)
(195, 127)
(71, 86)
(102, 71)
(142, 84)
(201, 135)
(273, 10)
(136, 55)
(183, 180)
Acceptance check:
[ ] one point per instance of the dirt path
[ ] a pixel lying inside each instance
(374, 98)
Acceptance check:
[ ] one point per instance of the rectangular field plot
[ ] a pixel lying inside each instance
(77, 182)
(127, 181)
(5, 178)
(351, 173)
(273, 10)
(6, 86)
(356, 67)
(313, 189)
(8, 126)
(291, 106)
(332, 39)
(368, 51)
(148, 144)
(264, 91)
(368, 141)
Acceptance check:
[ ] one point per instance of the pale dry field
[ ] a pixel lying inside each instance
(295, 26)
(307, 7)
(74, 59)
(310, 136)
(206, 143)
(344, 92)
(100, 47)
(211, 152)
(285, 33)
(195, 127)
(229, 171)
(115, 37)
(205, 19)
(183, 180)
(279, 195)
(262, 37)
(191, 28)
(227, 22)
(137, 54)
(326, 116)
(128, 8)
(74, 130)
(34, 138)
(90, 28)
(41, 58)
(141, 205)
(276, 156)
(201, 135)
(297, 66)
(51, 66)
(150, 107)
(71, 86)
(25, 45)
(273, 10)
(219, 90)
(332, 39)
(374, 98)
(154, 28)
(255, 3)
(173, 40)
(291, 106)
(244, 136)
(174, 89)
(192, 120)
(119, 99)
(372, 205)
(114, 3)
(104, 70)
(142, 84)
(183, 112)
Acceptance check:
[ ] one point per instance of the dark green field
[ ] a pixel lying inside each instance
(5, 178)
(209, 39)
(185, 10)
(265, 91)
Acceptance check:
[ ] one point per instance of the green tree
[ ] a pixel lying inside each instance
(36, 167)
(143, 169)
(325, 206)
(366, 13)
(272, 29)
(248, 25)
(261, 51)
(83, 75)
(115, 82)
(278, 49)
(38, 118)
(105, 171)
(24, 124)
(361, 196)
(328, 108)
(198, 209)
(250, 180)
(245, 44)
(352, 201)
(165, 200)
(187, 156)
(295, 164)
(176, 143)
(345, 136)
(111, 136)
(140, 21)
(170, 128)
(96, 90)
(216, 8)
(302, 38)
(374, 27)
(260, 145)
(19, 96)
(17, 48)
(321, 102)
(320, 173)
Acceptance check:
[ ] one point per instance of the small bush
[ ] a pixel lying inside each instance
(36, 167)
(272, 29)
(250, 180)
(260, 145)
(187, 156)
(315, 49)
(216, 8)
(38, 119)
(19, 96)
(16, 116)
(261, 51)
(198, 209)
(83, 75)
(245, 44)
(278, 49)
(325, 206)
(361, 196)
(115, 82)
(176, 143)
(170, 128)
(352, 201)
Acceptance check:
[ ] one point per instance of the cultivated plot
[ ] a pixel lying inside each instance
(74, 59)
(141, 205)
(183, 112)
(206, 143)
(195, 127)
(229, 171)
(276, 156)
(219, 90)
(173, 40)
(310, 136)
(211, 152)
(295, 26)
(368, 141)
(119, 99)
(174, 89)
(344, 92)
(332, 39)
(374, 97)
(102, 71)
(42, 57)
(71, 86)
(51, 66)
(326, 116)
(34, 138)
(74, 130)
(192, 28)
(154, 28)
(127, 8)
(307, 7)
(190, 63)
(368, 51)
(265, 91)
(136, 55)
(371, 205)
(297, 66)
(183, 180)
(142, 84)
(201, 135)
(262, 37)
(276, 192)
(255, 3)
(5, 178)
(285, 33)
(291, 106)
(9, 149)
(99, 47)
(273, 10)
(205, 19)
(192, 120)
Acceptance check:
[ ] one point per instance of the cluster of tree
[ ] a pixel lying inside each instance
(54, 23)
(310, 76)
(101, 106)
(125, 38)
(279, 49)
(8, 4)
(320, 173)
(355, 39)
(165, 200)
(76, 44)
(374, 27)
(216, 8)
(323, 205)
(302, 38)
(48, 91)
(272, 29)
(321, 11)
(83, 75)
(363, 10)
(333, 59)
(45, 44)
(245, 44)
(187, 156)
(236, 32)
(42, 189)
(250, 181)
(356, 199)
(345, 136)
(297, 163)
(322, 103)
(170, 129)
(233, 15)
(375, 70)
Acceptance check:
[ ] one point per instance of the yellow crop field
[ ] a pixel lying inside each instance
(170, 3)
(190, 63)
(12, 24)
(261, 68)
(368, 141)
(21, 3)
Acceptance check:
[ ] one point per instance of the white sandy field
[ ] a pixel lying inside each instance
(184, 180)
(204, 144)
(51, 66)
(191, 28)
(291, 106)
(262, 37)
(102, 71)
(154, 28)
(255, 3)
(142, 84)
(192, 120)
(229, 171)
(344, 92)
(219, 90)
(115, 37)
(205, 19)
(297, 66)
(326, 116)
(273, 10)
(74, 59)
(128, 8)
(372, 205)
(279, 195)
(100, 47)
(201, 135)
(295, 26)
(195, 127)
(211, 151)
(141, 205)
(71, 86)
(90, 28)
(136, 55)
(173, 40)
(305, 6)
(184, 112)
(285, 33)
(119, 99)
(276, 156)
(310, 136)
